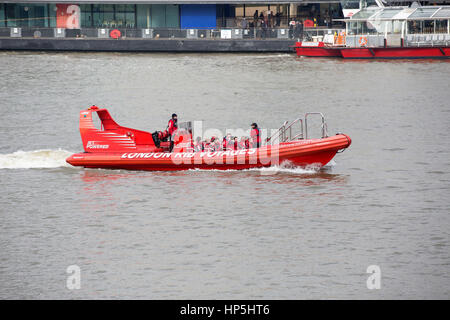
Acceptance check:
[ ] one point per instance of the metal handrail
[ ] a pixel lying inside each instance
(290, 129)
(280, 132)
(323, 126)
(284, 133)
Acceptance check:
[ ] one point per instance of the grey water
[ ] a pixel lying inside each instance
(281, 234)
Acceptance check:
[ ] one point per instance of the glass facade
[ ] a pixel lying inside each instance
(27, 15)
(90, 15)
(2, 15)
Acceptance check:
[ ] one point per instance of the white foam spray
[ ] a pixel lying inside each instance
(45, 158)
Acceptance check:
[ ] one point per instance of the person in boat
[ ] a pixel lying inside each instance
(243, 144)
(209, 144)
(255, 136)
(191, 147)
(230, 142)
(172, 126)
(198, 145)
(235, 143)
(226, 141)
(217, 145)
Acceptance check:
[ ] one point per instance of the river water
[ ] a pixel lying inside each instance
(273, 233)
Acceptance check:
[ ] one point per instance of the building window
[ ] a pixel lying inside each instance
(103, 15)
(26, 15)
(86, 20)
(158, 16)
(2, 15)
(91, 15)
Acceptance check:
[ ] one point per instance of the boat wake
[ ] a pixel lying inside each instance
(45, 158)
(283, 168)
(291, 169)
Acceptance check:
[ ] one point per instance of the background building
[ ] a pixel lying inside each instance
(203, 14)
(180, 14)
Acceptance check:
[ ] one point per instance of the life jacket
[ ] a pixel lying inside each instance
(172, 126)
(198, 146)
(255, 135)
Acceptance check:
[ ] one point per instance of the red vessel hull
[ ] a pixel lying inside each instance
(396, 53)
(316, 50)
(315, 152)
(374, 53)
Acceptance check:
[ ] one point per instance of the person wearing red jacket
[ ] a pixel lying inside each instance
(242, 143)
(235, 143)
(173, 124)
(255, 135)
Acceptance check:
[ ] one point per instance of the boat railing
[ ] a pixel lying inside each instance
(410, 40)
(279, 136)
(323, 126)
(296, 130)
(436, 39)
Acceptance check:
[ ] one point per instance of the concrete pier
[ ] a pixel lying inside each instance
(147, 45)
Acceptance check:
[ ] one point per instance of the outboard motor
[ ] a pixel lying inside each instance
(160, 136)
(156, 140)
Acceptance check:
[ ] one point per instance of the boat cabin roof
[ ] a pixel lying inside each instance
(400, 13)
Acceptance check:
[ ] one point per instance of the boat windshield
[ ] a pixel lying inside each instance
(387, 14)
(423, 13)
(443, 13)
(366, 13)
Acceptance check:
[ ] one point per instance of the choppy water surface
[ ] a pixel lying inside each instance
(283, 233)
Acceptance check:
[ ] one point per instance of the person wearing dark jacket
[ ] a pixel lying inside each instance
(298, 31)
(263, 29)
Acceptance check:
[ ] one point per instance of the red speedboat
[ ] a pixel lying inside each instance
(116, 147)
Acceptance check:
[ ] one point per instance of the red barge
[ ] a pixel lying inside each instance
(116, 147)
(386, 33)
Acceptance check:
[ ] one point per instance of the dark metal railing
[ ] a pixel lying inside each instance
(155, 33)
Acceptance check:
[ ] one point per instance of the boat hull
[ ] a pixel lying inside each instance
(318, 52)
(316, 49)
(375, 53)
(396, 53)
(313, 152)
